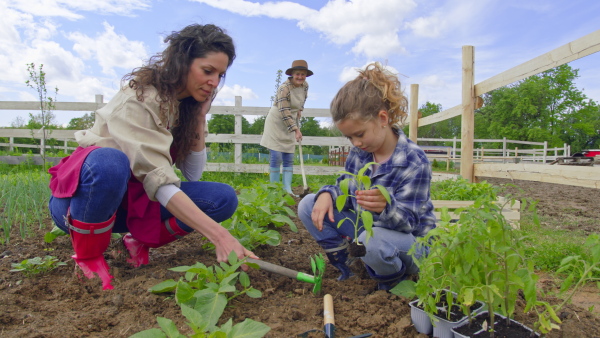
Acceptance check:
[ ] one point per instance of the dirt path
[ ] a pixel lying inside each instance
(60, 305)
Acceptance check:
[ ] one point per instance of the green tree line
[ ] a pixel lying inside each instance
(544, 107)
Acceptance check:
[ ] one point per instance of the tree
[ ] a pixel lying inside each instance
(277, 84)
(81, 123)
(45, 119)
(445, 129)
(543, 107)
(18, 122)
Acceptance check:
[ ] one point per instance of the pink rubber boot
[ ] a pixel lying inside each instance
(139, 251)
(90, 240)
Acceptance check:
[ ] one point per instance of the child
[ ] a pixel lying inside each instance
(367, 111)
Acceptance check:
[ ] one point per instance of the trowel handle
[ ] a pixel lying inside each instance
(328, 316)
(273, 268)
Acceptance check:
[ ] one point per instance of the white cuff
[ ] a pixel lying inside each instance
(193, 165)
(165, 192)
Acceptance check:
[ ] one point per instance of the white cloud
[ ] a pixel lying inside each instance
(110, 49)
(371, 25)
(68, 8)
(227, 94)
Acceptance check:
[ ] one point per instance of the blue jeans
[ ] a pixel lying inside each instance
(276, 157)
(387, 250)
(103, 184)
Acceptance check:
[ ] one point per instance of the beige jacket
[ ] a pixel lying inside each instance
(135, 128)
(280, 124)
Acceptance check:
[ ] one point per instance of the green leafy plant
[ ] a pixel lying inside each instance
(37, 265)
(202, 328)
(462, 190)
(208, 289)
(480, 257)
(580, 270)
(359, 181)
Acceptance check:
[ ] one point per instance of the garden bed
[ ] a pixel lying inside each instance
(59, 305)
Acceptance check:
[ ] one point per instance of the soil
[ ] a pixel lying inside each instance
(59, 304)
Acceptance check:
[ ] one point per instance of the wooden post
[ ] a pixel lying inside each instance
(414, 113)
(238, 131)
(504, 150)
(11, 141)
(545, 151)
(99, 98)
(447, 159)
(468, 114)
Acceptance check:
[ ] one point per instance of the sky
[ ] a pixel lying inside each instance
(87, 46)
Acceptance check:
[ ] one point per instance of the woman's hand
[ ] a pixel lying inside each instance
(323, 207)
(371, 200)
(298, 135)
(225, 245)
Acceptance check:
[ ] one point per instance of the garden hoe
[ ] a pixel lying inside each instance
(305, 191)
(317, 263)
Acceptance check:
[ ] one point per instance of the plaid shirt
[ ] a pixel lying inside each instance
(406, 176)
(283, 103)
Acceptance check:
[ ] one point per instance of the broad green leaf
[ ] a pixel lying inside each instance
(195, 318)
(165, 286)
(340, 201)
(285, 219)
(384, 192)
(249, 329)
(244, 279)
(184, 292)
(254, 293)
(365, 181)
(344, 185)
(211, 306)
(367, 219)
(405, 288)
(151, 333)
(168, 327)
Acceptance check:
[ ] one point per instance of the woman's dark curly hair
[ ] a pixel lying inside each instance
(373, 90)
(168, 71)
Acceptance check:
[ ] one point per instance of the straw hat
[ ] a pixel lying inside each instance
(299, 65)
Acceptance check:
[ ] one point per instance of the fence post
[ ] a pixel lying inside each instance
(99, 98)
(11, 141)
(468, 113)
(413, 126)
(238, 131)
(545, 151)
(504, 150)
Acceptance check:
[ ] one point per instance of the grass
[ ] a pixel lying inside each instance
(25, 193)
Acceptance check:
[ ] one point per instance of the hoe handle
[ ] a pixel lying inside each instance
(273, 268)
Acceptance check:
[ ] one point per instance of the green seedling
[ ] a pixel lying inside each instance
(37, 265)
(202, 328)
(359, 181)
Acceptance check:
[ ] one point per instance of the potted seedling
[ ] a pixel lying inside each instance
(494, 265)
(349, 186)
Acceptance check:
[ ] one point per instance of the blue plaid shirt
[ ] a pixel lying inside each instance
(406, 176)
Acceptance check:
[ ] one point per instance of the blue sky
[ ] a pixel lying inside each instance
(87, 46)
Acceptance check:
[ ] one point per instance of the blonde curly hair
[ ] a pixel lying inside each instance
(373, 90)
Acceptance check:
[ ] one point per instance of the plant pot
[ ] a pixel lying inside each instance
(442, 326)
(514, 330)
(420, 318)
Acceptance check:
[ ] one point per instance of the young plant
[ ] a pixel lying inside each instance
(37, 265)
(580, 271)
(359, 181)
(202, 328)
(206, 289)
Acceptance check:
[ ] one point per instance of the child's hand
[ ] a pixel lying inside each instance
(371, 200)
(323, 206)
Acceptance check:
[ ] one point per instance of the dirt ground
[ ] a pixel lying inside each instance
(60, 305)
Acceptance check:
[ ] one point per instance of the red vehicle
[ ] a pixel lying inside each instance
(587, 153)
